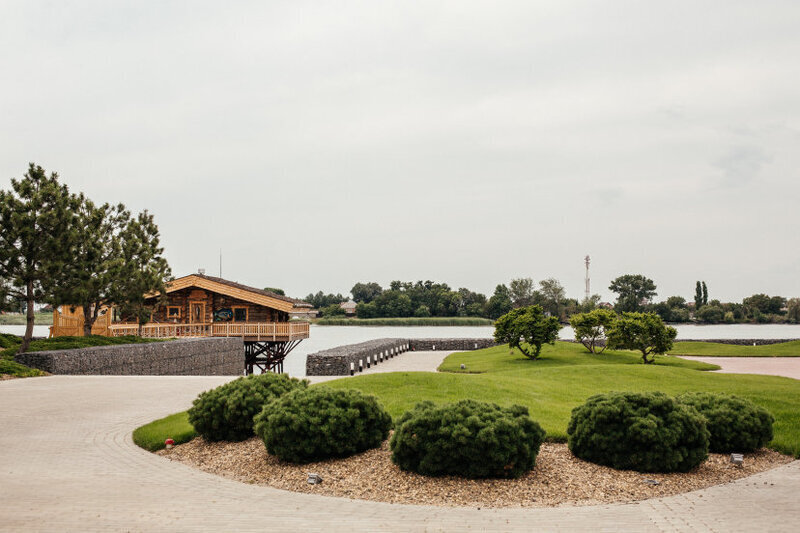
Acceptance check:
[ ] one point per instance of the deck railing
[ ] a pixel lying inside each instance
(277, 331)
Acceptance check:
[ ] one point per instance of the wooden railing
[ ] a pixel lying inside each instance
(278, 331)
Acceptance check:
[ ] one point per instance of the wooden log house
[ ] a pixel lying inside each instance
(206, 306)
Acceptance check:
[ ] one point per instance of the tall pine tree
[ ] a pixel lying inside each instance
(143, 269)
(37, 230)
(94, 272)
(698, 296)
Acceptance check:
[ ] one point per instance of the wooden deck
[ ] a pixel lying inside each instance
(268, 331)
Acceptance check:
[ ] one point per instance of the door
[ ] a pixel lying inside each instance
(197, 312)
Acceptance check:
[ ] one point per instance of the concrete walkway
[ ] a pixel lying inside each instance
(67, 463)
(788, 367)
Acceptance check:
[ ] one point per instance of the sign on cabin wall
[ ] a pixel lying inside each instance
(223, 315)
(197, 294)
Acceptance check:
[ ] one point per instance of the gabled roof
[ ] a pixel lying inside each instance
(236, 290)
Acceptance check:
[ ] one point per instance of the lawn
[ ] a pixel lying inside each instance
(566, 376)
(714, 349)
(9, 345)
(550, 388)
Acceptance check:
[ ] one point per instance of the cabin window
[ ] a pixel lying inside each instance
(240, 314)
(173, 311)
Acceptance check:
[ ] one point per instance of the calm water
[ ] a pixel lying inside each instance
(324, 337)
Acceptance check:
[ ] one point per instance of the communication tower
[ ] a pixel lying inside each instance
(588, 291)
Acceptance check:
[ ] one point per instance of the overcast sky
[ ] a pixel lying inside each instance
(320, 144)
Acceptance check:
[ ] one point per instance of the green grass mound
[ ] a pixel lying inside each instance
(152, 436)
(646, 432)
(319, 423)
(467, 438)
(735, 424)
(226, 413)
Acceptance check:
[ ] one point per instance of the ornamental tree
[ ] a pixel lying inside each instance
(645, 332)
(37, 229)
(527, 328)
(592, 327)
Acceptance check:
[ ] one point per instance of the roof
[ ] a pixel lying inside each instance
(348, 305)
(237, 290)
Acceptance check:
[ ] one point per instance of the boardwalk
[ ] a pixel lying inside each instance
(67, 463)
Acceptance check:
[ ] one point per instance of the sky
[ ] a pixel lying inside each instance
(317, 144)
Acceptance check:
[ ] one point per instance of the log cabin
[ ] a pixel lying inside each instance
(198, 305)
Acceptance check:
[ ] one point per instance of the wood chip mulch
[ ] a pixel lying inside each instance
(557, 479)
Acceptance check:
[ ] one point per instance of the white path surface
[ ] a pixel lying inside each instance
(67, 463)
(771, 366)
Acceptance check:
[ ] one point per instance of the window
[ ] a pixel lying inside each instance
(240, 314)
(173, 311)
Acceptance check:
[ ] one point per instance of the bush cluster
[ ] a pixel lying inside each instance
(647, 432)
(311, 424)
(467, 438)
(226, 413)
(735, 424)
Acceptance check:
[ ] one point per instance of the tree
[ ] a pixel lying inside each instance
(589, 304)
(793, 310)
(633, 291)
(321, 300)
(553, 294)
(93, 273)
(144, 270)
(705, 294)
(698, 296)
(277, 291)
(500, 302)
(36, 232)
(526, 328)
(521, 291)
(366, 292)
(332, 310)
(645, 332)
(676, 302)
(592, 327)
(710, 314)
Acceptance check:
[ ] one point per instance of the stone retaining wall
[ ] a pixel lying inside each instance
(343, 360)
(337, 361)
(740, 342)
(183, 357)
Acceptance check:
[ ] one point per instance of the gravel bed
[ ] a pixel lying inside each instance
(557, 479)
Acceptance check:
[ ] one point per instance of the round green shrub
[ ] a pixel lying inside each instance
(735, 424)
(311, 424)
(467, 438)
(226, 413)
(647, 432)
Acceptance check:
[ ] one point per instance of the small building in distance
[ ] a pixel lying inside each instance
(349, 307)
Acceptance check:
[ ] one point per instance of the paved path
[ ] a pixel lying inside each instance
(67, 463)
(772, 366)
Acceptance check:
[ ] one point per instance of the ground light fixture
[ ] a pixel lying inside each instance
(314, 479)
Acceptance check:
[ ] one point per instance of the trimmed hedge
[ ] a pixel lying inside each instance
(736, 424)
(467, 438)
(647, 432)
(226, 413)
(312, 424)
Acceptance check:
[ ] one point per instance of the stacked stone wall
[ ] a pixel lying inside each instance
(183, 357)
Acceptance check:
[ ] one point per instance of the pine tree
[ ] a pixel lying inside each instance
(698, 296)
(93, 273)
(37, 230)
(143, 270)
(705, 294)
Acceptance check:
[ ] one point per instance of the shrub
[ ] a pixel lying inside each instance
(226, 413)
(735, 424)
(647, 432)
(645, 332)
(312, 424)
(467, 438)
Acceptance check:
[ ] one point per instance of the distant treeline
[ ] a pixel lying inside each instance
(635, 292)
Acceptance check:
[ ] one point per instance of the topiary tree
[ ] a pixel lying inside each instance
(645, 332)
(226, 413)
(590, 328)
(526, 328)
(312, 424)
(646, 432)
(735, 424)
(467, 438)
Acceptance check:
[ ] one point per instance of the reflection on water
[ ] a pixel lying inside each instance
(324, 337)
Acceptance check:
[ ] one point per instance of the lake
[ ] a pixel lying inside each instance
(324, 337)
